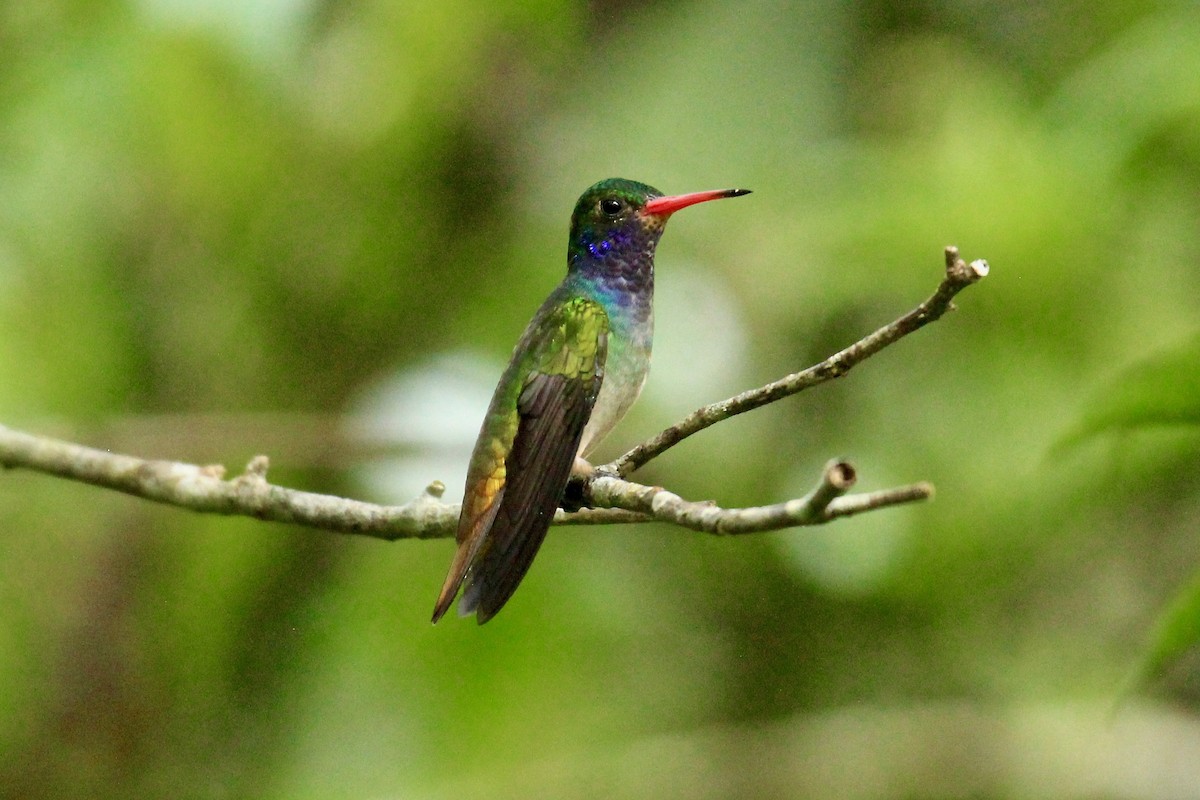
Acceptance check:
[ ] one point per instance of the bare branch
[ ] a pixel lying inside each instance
(827, 501)
(615, 500)
(204, 489)
(959, 275)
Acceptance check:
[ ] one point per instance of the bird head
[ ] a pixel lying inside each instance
(622, 219)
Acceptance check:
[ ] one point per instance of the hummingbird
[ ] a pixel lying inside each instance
(576, 370)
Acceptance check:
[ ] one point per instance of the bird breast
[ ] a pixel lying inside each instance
(625, 370)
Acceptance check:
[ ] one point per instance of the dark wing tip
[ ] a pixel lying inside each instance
(454, 580)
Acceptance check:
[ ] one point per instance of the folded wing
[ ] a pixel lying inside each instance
(511, 496)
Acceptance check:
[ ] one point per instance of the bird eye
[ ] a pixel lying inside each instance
(611, 206)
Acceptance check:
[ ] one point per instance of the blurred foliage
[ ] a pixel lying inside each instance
(1162, 390)
(231, 228)
(1176, 633)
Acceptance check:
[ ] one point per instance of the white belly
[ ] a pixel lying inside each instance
(625, 370)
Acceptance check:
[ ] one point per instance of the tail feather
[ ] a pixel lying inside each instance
(470, 537)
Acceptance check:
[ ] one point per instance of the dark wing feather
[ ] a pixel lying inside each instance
(567, 355)
(553, 412)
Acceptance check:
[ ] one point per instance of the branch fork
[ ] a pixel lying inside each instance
(611, 496)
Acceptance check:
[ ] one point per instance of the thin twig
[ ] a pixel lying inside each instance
(827, 501)
(959, 275)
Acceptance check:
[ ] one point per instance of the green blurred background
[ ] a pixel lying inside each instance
(314, 229)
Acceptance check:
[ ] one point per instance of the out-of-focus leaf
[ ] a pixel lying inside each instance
(1177, 631)
(1162, 390)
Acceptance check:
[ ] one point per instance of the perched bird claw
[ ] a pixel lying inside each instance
(575, 495)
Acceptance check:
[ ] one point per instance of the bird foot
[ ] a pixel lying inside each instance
(575, 495)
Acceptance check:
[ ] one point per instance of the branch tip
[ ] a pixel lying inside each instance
(840, 474)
